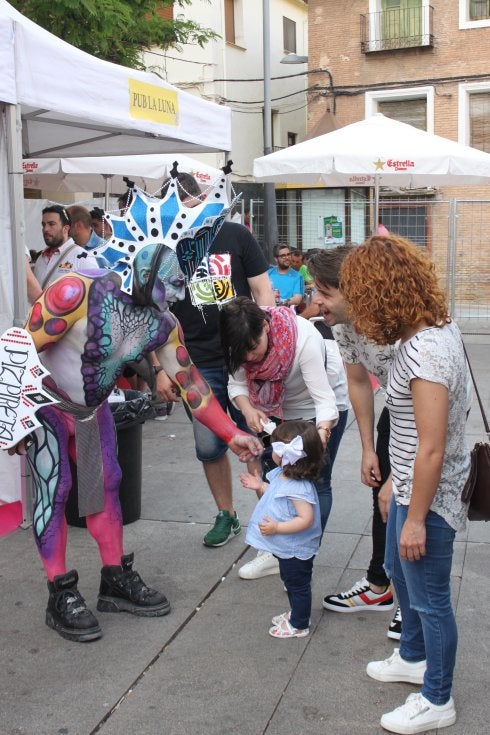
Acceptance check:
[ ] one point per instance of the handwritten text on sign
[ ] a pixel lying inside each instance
(21, 391)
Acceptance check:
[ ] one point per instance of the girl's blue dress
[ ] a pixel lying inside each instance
(276, 504)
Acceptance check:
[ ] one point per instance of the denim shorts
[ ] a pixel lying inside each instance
(209, 447)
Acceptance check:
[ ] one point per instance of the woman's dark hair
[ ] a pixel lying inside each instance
(241, 324)
(309, 467)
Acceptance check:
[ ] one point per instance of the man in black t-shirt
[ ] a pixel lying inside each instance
(237, 267)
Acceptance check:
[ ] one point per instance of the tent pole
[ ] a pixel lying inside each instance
(16, 198)
(107, 178)
(376, 204)
(13, 124)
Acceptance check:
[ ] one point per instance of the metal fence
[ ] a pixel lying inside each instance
(455, 233)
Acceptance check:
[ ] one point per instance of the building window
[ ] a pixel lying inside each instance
(414, 106)
(401, 22)
(292, 139)
(474, 14)
(474, 115)
(411, 111)
(230, 21)
(480, 121)
(396, 24)
(289, 35)
(479, 9)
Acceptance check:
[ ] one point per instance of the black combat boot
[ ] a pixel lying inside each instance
(67, 612)
(123, 590)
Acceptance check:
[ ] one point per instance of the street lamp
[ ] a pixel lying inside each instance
(294, 59)
(271, 231)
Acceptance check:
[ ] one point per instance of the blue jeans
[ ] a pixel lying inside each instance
(424, 595)
(296, 575)
(210, 447)
(324, 483)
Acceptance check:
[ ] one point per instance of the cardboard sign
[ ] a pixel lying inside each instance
(21, 390)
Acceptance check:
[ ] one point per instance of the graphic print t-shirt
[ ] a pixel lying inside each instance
(234, 257)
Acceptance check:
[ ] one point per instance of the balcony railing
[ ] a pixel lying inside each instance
(397, 28)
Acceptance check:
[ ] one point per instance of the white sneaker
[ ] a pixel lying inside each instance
(263, 565)
(395, 668)
(419, 715)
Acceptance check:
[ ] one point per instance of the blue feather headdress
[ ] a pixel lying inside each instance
(188, 231)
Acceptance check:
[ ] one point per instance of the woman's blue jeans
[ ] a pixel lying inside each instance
(424, 595)
(324, 483)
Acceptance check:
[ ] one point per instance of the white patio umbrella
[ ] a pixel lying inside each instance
(376, 152)
(105, 173)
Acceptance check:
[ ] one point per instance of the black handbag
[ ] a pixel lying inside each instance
(476, 491)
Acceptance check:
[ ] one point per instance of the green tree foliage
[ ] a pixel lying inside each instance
(116, 30)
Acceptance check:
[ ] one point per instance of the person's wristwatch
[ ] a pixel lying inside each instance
(157, 369)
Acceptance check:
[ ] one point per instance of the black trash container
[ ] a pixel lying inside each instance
(129, 416)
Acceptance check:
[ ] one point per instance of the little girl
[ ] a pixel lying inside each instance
(286, 520)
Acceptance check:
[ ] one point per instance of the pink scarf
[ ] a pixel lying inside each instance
(266, 379)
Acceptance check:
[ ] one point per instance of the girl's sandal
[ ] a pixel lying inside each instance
(286, 630)
(277, 619)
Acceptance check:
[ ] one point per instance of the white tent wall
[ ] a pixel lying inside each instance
(77, 105)
(10, 485)
(58, 100)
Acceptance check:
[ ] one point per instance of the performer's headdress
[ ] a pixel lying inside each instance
(188, 231)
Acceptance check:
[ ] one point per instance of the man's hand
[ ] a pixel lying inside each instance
(246, 447)
(412, 540)
(164, 387)
(370, 472)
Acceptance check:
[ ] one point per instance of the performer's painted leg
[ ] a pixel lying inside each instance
(121, 588)
(106, 527)
(48, 457)
(49, 460)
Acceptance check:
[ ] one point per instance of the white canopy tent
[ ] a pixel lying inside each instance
(106, 173)
(376, 152)
(58, 100)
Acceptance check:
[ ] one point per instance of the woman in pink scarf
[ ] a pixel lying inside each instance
(277, 371)
(277, 362)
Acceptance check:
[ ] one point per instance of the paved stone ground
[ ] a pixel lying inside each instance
(210, 668)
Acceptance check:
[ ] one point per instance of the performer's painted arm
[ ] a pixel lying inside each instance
(57, 309)
(197, 394)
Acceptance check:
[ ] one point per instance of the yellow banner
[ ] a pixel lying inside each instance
(149, 102)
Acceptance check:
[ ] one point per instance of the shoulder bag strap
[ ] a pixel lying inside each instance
(56, 264)
(485, 422)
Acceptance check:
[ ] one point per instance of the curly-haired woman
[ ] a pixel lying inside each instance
(392, 293)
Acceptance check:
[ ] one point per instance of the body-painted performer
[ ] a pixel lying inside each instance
(86, 327)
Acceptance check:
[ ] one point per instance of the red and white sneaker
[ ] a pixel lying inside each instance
(359, 598)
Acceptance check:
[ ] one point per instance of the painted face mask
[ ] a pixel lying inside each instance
(164, 224)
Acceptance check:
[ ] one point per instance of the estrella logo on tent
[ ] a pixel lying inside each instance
(30, 167)
(360, 179)
(153, 103)
(400, 165)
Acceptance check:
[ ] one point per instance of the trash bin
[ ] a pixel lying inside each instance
(129, 415)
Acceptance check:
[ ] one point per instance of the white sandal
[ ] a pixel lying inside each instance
(277, 619)
(285, 630)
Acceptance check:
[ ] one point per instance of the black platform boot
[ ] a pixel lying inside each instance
(123, 590)
(67, 612)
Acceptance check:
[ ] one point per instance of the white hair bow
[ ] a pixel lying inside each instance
(289, 453)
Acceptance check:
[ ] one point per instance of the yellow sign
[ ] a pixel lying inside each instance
(149, 102)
